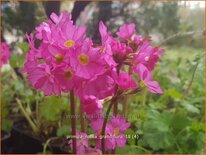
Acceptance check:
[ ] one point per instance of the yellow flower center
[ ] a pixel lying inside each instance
(68, 74)
(81, 143)
(142, 83)
(59, 58)
(83, 59)
(69, 43)
(116, 131)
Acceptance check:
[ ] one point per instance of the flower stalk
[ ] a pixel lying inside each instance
(28, 118)
(73, 122)
(82, 123)
(105, 123)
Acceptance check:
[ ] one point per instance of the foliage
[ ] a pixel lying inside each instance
(174, 121)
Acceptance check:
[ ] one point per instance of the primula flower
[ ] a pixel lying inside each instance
(57, 55)
(119, 125)
(81, 142)
(126, 31)
(67, 35)
(41, 78)
(106, 49)
(61, 31)
(5, 53)
(109, 140)
(65, 77)
(62, 18)
(105, 36)
(146, 79)
(101, 86)
(90, 104)
(86, 61)
(137, 39)
(119, 50)
(147, 55)
(125, 81)
(44, 32)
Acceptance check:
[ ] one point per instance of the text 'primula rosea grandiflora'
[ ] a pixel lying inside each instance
(66, 61)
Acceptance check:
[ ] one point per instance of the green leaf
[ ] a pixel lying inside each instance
(130, 134)
(52, 107)
(179, 121)
(6, 125)
(198, 126)
(190, 108)
(131, 149)
(17, 60)
(174, 94)
(64, 130)
(157, 132)
(24, 46)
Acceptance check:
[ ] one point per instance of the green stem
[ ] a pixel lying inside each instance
(47, 143)
(192, 79)
(104, 125)
(82, 123)
(26, 115)
(143, 149)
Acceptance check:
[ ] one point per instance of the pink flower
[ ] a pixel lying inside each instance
(137, 39)
(62, 18)
(105, 36)
(31, 62)
(146, 79)
(44, 32)
(5, 53)
(81, 142)
(126, 31)
(101, 86)
(147, 55)
(40, 77)
(119, 50)
(90, 104)
(109, 140)
(55, 54)
(60, 31)
(119, 125)
(125, 81)
(86, 61)
(67, 35)
(106, 50)
(65, 77)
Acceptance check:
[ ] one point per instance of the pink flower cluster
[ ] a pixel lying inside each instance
(5, 53)
(114, 136)
(66, 60)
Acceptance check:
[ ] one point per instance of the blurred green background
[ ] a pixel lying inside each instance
(168, 123)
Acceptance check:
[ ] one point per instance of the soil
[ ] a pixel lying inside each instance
(24, 141)
(5, 135)
(5, 140)
(56, 144)
(66, 149)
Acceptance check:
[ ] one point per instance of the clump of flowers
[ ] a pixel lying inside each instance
(68, 61)
(5, 53)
